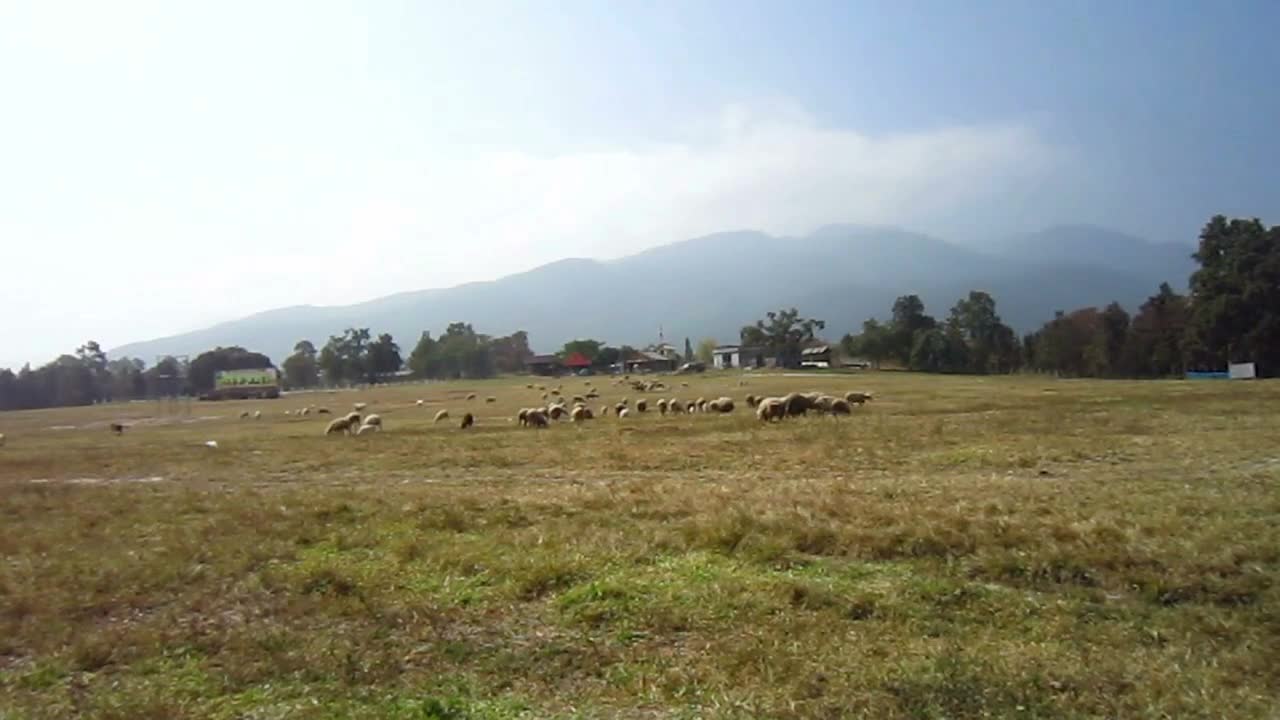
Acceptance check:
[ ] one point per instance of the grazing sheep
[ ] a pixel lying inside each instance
(641, 405)
(623, 413)
(244, 414)
(287, 413)
(117, 428)
(257, 414)
(593, 395)
(442, 415)
(529, 386)
(604, 411)
(619, 408)
(579, 400)
(353, 418)
(420, 403)
(338, 425)
(522, 417)
(701, 403)
(491, 399)
(752, 400)
(1, 439)
(358, 406)
(322, 411)
(797, 404)
(691, 407)
(625, 401)
(373, 420)
(721, 405)
(857, 398)
(675, 406)
(556, 392)
(536, 418)
(824, 402)
(840, 407)
(555, 411)
(662, 406)
(769, 409)
(467, 421)
(579, 414)
(305, 411)
(366, 429)
(587, 411)
(471, 396)
(684, 384)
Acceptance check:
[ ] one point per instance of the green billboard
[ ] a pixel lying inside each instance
(228, 379)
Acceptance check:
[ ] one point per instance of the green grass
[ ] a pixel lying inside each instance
(959, 548)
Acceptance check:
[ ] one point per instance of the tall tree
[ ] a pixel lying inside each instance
(424, 361)
(1235, 295)
(344, 359)
(874, 343)
(384, 357)
(300, 369)
(510, 353)
(1157, 335)
(688, 350)
(784, 333)
(909, 318)
(975, 320)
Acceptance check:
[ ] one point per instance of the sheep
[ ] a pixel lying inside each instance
(353, 417)
(1, 439)
(536, 418)
(471, 396)
(305, 411)
(522, 417)
(675, 406)
(662, 406)
(691, 407)
(358, 406)
(593, 395)
(771, 408)
(721, 405)
(338, 425)
(529, 386)
(322, 411)
(366, 429)
(579, 414)
(840, 407)
(117, 428)
(625, 401)
(604, 411)
(257, 414)
(373, 421)
(287, 413)
(555, 411)
(701, 403)
(579, 400)
(544, 396)
(467, 421)
(556, 392)
(752, 400)
(491, 399)
(641, 405)
(587, 412)
(857, 398)
(442, 415)
(620, 408)
(244, 414)
(420, 403)
(623, 413)
(797, 404)
(824, 402)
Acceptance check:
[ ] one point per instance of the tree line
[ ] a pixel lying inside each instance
(1231, 314)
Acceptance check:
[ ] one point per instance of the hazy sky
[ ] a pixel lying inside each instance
(167, 165)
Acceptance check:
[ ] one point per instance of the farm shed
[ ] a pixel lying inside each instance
(544, 365)
(743, 356)
(645, 361)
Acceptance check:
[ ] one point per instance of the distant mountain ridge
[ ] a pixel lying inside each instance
(713, 285)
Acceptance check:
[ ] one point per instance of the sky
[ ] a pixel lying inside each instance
(165, 166)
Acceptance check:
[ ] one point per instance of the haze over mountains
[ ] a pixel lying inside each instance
(711, 286)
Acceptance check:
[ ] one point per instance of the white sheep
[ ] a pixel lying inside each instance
(1, 439)
(420, 403)
(359, 406)
(623, 413)
(372, 421)
(257, 414)
(442, 415)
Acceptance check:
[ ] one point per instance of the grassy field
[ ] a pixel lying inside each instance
(959, 548)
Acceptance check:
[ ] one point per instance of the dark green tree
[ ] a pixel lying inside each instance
(909, 318)
(383, 357)
(688, 351)
(783, 332)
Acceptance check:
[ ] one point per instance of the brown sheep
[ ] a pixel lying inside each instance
(662, 405)
(467, 421)
(442, 415)
(471, 396)
(536, 418)
(840, 407)
(578, 414)
(857, 398)
(619, 408)
(491, 399)
(824, 402)
(338, 425)
(641, 405)
(354, 419)
(117, 428)
(322, 411)
(769, 409)
(555, 411)
(721, 405)
(579, 400)
(752, 400)
(675, 406)
(797, 404)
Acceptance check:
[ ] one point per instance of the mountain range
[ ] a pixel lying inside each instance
(711, 286)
